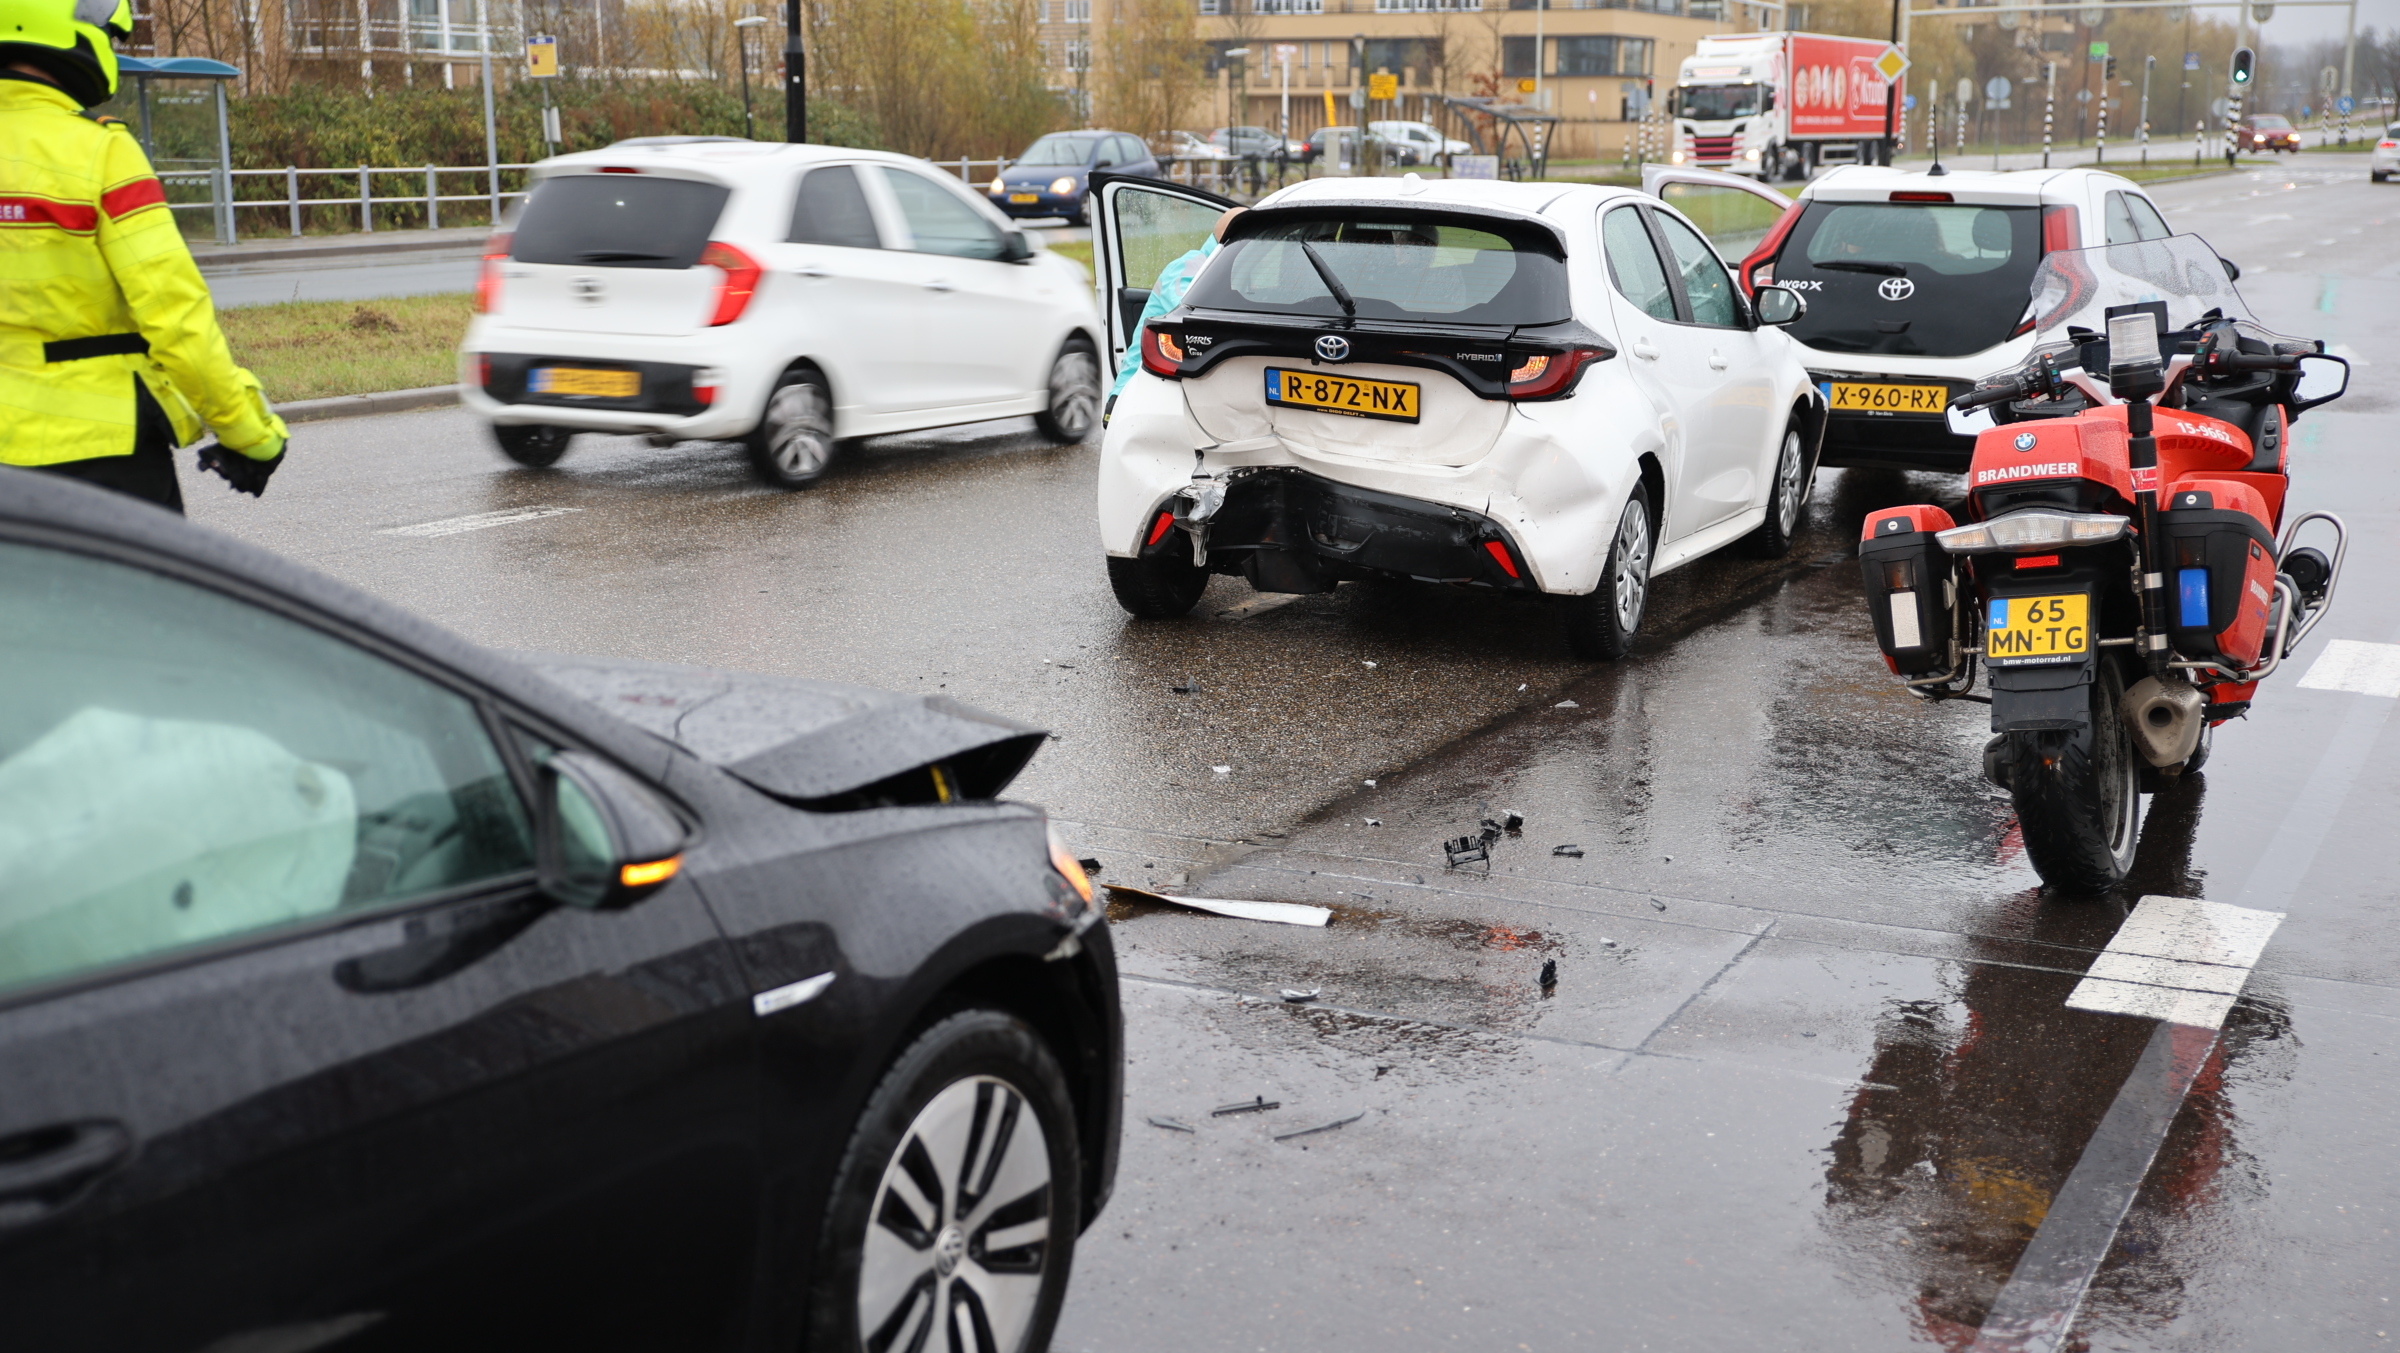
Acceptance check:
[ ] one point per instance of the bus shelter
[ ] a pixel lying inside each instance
(177, 106)
(1532, 129)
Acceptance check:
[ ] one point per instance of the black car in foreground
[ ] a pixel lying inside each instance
(364, 989)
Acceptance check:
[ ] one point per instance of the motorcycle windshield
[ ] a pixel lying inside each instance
(2074, 288)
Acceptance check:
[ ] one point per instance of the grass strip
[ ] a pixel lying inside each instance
(316, 349)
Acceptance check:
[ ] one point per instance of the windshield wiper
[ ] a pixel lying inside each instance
(1879, 269)
(1333, 284)
(618, 256)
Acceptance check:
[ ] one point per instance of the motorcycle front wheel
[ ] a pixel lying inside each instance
(2079, 808)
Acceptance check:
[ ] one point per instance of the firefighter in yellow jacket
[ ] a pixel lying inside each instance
(110, 354)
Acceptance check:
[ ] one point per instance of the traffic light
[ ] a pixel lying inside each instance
(2244, 62)
(2110, 71)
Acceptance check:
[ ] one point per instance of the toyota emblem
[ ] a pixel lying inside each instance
(1895, 288)
(1332, 347)
(2024, 441)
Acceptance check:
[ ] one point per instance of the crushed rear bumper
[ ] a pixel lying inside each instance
(1288, 530)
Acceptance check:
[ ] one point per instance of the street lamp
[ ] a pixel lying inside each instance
(741, 38)
(795, 76)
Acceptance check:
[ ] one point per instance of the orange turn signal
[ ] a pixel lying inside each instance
(649, 872)
(1069, 868)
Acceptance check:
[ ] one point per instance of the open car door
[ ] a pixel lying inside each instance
(1139, 226)
(1734, 212)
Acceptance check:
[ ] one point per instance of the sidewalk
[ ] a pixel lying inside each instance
(287, 252)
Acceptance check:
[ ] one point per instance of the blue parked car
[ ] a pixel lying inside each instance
(1051, 177)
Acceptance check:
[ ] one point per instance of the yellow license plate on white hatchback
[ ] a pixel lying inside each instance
(2023, 630)
(1395, 400)
(577, 380)
(1858, 397)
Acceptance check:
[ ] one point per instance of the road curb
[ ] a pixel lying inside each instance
(360, 406)
(291, 251)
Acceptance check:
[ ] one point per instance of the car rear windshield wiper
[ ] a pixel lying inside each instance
(618, 256)
(1879, 269)
(1332, 283)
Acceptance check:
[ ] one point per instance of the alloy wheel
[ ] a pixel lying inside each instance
(957, 1239)
(1633, 564)
(1787, 486)
(1075, 394)
(800, 429)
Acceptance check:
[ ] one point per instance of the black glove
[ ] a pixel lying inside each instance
(246, 475)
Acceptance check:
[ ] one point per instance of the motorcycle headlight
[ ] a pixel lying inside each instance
(1063, 184)
(2035, 530)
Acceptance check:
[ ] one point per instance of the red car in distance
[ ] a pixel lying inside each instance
(2267, 131)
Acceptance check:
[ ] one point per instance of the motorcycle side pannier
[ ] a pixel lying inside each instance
(1912, 588)
(2220, 563)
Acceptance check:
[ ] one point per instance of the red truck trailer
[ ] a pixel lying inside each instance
(1777, 105)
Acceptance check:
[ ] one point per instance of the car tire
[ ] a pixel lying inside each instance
(794, 442)
(1601, 624)
(1157, 586)
(896, 1264)
(535, 445)
(2378, 176)
(1786, 499)
(1074, 393)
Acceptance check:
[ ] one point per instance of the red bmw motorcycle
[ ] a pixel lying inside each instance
(2128, 571)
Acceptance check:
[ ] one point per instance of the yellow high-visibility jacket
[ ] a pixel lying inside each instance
(89, 258)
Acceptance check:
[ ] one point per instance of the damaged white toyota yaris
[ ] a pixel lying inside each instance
(1529, 387)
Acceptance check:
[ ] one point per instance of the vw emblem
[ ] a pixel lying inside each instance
(1332, 347)
(2024, 441)
(1895, 288)
(587, 290)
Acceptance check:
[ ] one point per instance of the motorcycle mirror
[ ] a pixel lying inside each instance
(2233, 270)
(2322, 380)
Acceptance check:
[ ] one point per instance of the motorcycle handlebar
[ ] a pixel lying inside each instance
(2245, 361)
(1996, 394)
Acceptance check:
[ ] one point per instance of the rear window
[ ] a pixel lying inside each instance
(618, 221)
(1393, 268)
(1911, 279)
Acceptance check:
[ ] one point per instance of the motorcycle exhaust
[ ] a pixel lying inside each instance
(2165, 720)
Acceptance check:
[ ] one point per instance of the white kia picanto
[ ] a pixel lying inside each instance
(1531, 387)
(788, 297)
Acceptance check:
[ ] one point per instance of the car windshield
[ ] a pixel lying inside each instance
(618, 221)
(1910, 279)
(2269, 122)
(1392, 267)
(1058, 150)
(1715, 103)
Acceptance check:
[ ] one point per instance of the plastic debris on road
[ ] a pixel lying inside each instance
(1549, 976)
(1467, 850)
(1089, 866)
(1258, 1105)
(1283, 913)
(1566, 704)
(1296, 996)
(1321, 1127)
(1658, 904)
(1374, 822)
(1571, 852)
(1171, 1125)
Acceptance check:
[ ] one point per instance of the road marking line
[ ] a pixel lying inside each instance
(790, 994)
(451, 526)
(2363, 668)
(2177, 959)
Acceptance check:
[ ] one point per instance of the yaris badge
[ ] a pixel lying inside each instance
(2024, 441)
(1895, 288)
(1333, 347)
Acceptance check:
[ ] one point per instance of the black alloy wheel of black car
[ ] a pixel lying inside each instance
(794, 442)
(1073, 392)
(1786, 498)
(2079, 803)
(1601, 623)
(952, 1221)
(535, 445)
(1158, 586)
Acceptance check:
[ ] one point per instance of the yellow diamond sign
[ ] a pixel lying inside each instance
(1891, 64)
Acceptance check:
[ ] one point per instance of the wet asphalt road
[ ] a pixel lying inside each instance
(1806, 1080)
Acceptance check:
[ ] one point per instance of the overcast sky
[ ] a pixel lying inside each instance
(2294, 23)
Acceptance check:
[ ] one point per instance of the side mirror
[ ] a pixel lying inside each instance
(1014, 247)
(1105, 163)
(2233, 270)
(1779, 306)
(2322, 380)
(603, 839)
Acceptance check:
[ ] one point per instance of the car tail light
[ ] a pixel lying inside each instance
(1922, 197)
(1545, 375)
(1161, 354)
(705, 382)
(1758, 269)
(2387, 145)
(487, 282)
(2061, 229)
(618, 169)
(483, 371)
(740, 284)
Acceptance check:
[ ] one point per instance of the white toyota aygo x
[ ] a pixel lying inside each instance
(1536, 388)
